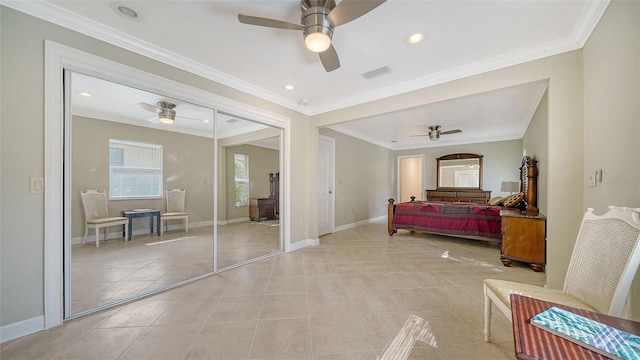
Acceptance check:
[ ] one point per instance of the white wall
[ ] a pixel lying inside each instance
(536, 143)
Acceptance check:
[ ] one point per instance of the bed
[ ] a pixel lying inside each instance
(468, 220)
(464, 220)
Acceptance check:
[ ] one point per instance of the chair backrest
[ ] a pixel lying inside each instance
(605, 259)
(175, 200)
(95, 204)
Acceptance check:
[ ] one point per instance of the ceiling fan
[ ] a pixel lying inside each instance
(165, 110)
(318, 19)
(434, 132)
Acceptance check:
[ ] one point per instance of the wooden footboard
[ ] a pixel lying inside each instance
(391, 208)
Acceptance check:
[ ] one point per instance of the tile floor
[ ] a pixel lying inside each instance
(121, 269)
(345, 299)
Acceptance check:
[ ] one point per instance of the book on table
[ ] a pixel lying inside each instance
(596, 336)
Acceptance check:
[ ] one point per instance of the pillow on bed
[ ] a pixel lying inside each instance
(513, 200)
(495, 201)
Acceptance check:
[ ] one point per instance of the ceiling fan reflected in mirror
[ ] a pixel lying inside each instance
(165, 112)
(434, 132)
(318, 19)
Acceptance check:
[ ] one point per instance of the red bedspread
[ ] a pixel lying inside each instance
(462, 219)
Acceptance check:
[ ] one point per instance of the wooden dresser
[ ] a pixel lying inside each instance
(262, 208)
(459, 195)
(523, 238)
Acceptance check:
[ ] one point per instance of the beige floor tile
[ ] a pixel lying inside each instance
(282, 338)
(101, 344)
(361, 355)
(368, 301)
(286, 285)
(316, 283)
(338, 334)
(283, 306)
(140, 313)
(237, 308)
(42, 345)
(330, 303)
(188, 311)
(476, 351)
(163, 342)
(223, 340)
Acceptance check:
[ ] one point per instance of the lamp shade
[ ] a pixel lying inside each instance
(510, 186)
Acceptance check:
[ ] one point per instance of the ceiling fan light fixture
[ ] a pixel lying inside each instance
(166, 113)
(317, 41)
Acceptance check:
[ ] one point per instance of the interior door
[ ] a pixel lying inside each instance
(326, 184)
(410, 177)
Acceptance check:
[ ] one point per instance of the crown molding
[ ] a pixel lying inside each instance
(57, 15)
(589, 18)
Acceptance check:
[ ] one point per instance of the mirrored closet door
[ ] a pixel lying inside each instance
(145, 160)
(141, 172)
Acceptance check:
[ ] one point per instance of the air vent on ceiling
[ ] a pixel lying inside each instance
(232, 120)
(377, 72)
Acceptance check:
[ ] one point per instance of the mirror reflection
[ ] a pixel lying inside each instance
(459, 171)
(141, 181)
(249, 190)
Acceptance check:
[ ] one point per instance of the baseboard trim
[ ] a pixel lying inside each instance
(21, 328)
(302, 244)
(359, 223)
(238, 220)
(118, 235)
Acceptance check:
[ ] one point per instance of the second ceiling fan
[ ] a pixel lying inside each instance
(318, 19)
(434, 132)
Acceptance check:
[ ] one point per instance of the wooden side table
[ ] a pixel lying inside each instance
(533, 343)
(523, 239)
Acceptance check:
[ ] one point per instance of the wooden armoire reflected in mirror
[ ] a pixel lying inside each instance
(267, 208)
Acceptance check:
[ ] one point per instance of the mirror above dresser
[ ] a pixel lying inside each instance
(459, 179)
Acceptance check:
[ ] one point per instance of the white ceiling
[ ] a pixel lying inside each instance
(463, 38)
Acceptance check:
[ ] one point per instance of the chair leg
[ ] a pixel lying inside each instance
(97, 237)
(487, 317)
(86, 233)
(186, 225)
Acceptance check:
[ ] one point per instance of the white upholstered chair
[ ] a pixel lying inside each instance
(604, 261)
(175, 209)
(96, 215)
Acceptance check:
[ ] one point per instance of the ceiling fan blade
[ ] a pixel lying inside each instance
(450, 132)
(418, 135)
(149, 107)
(329, 59)
(154, 120)
(272, 23)
(348, 10)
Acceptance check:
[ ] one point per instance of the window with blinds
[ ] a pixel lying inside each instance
(135, 170)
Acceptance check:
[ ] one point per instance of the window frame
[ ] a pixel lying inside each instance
(158, 172)
(245, 180)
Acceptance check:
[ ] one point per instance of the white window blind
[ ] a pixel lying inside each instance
(135, 170)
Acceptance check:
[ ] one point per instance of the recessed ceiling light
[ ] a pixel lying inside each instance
(415, 38)
(206, 120)
(289, 87)
(303, 102)
(85, 94)
(125, 11)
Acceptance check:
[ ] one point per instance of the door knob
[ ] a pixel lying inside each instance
(330, 192)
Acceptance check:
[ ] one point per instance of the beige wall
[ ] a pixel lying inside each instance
(22, 151)
(535, 143)
(364, 181)
(612, 114)
(187, 164)
(500, 162)
(262, 162)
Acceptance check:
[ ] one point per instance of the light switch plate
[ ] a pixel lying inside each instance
(36, 185)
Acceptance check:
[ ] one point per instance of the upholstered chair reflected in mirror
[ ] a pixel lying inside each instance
(96, 215)
(175, 209)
